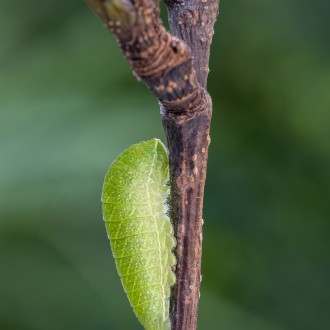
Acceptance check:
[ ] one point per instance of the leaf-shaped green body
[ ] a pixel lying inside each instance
(141, 235)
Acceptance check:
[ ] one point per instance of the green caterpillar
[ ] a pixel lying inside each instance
(141, 236)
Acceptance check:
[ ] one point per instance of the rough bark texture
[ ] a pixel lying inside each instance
(188, 140)
(193, 21)
(175, 68)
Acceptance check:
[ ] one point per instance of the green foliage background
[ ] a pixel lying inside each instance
(69, 105)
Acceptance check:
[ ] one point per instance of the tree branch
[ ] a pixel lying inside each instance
(193, 21)
(168, 66)
(162, 61)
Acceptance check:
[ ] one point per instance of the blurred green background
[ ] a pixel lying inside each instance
(69, 105)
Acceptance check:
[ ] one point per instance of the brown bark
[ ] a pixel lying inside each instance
(188, 140)
(193, 21)
(175, 69)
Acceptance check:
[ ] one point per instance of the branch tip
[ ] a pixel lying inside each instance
(118, 15)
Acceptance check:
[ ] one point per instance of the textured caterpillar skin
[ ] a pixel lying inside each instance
(141, 234)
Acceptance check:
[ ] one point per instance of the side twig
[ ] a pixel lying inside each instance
(176, 74)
